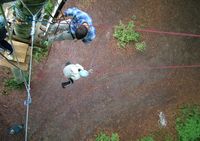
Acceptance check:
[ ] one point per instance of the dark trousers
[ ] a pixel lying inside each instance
(6, 46)
(70, 81)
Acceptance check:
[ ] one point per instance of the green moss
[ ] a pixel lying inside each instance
(141, 46)
(105, 137)
(188, 124)
(148, 138)
(49, 7)
(40, 53)
(13, 84)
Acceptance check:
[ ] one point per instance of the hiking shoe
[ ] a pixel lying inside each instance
(10, 57)
(65, 84)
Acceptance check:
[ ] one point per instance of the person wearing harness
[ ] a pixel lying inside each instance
(4, 45)
(74, 72)
(79, 27)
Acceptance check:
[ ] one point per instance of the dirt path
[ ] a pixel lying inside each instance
(122, 95)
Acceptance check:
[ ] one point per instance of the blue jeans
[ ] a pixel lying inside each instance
(63, 32)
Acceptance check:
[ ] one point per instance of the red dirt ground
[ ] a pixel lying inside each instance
(127, 89)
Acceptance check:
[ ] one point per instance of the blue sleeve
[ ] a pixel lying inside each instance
(86, 41)
(72, 11)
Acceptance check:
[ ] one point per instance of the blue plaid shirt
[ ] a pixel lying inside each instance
(80, 17)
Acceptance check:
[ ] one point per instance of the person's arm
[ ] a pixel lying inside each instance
(72, 11)
(86, 41)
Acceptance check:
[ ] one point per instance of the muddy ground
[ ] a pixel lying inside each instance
(127, 89)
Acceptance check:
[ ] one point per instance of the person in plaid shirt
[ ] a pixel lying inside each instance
(79, 27)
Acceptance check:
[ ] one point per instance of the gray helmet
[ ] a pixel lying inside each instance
(2, 22)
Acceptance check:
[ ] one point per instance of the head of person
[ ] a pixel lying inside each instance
(81, 31)
(83, 73)
(2, 22)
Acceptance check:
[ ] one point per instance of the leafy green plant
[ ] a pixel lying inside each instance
(115, 137)
(48, 8)
(141, 46)
(104, 137)
(126, 33)
(40, 53)
(148, 138)
(134, 17)
(168, 138)
(188, 124)
(13, 84)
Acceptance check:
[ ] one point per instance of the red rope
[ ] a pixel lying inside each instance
(122, 70)
(176, 67)
(169, 33)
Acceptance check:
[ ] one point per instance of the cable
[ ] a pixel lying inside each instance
(28, 100)
(21, 74)
(9, 61)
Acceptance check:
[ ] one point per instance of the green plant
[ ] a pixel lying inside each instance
(141, 46)
(168, 138)
(126, 33)
(148, 138)
(40, 53)
(104, 137)
(115, 137)
(134, 17)
(188, 124)
(48, 8)
(13, 84)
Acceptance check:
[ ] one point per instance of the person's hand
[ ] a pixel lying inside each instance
(60, 16)
(75, 40)
(90, 70)
(68, 21)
